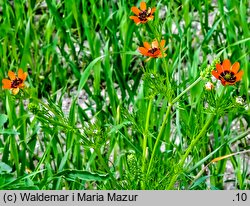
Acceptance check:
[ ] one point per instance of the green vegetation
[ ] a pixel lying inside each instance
(95, 115)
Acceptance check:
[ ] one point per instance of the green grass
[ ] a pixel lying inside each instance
(129, 124)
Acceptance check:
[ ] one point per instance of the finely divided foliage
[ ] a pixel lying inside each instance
(81, 107)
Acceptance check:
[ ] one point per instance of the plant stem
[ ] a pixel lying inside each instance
(145, 136)
(114, 183)
(186, 90)
(189, 149)
(166, 118)
(159, 137)
(166, 67)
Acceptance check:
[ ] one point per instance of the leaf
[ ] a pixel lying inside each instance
(117, 127)
(86, 73)
(83, 175)
(229, 155)
(9, 131)
(199, 163)
(14, 152)
(3, 119)
(64, 160)
(14, 182)
(210, 32)
(4, 168)
(199, 182)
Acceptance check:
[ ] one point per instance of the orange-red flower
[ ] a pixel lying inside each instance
(227, 74)
(143, 14)
(15, 82)
(153, 50)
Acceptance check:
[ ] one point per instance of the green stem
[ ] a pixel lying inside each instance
(158, 37)
(189, 149)
(186, 90)
(194, 141)
(153, 29)
(159, 137)
(114, 181)
(165, 121)
(145, 137)
(165, 66)
(218, 102)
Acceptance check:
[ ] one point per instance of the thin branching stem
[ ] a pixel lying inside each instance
(145, 137)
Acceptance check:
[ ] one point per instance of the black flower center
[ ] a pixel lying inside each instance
(228, 76)
(144, 14)
(16, 82)
(153, 50)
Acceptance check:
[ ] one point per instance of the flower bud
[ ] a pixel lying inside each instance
(209, 86)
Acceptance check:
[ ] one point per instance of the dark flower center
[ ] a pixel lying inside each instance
(144, 14)
(228, 76)
(16, 82)
(153, 50)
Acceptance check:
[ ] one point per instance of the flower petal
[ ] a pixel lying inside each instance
(215, 74)
(143, 51)
(223, 82)
(239, 75)
(146, 45)
(15, 91)
(235, 68)
(136, 19)
(219, 68)
(162, 44)
(151, 17)
(21, 85)
(135, 10)
(164, 55)
(144, 21)
(6, 84)
(153, 10)
(22, 75)
(226, 65)
(155, 44)
(143, 6)
(11, 75)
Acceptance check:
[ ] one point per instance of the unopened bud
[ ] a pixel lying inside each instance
(209, 86)
(239, 100)
(34, 108)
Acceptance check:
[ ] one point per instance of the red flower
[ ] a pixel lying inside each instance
(143, 14)
(15, 82)
(153, 50)
(227, 74)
